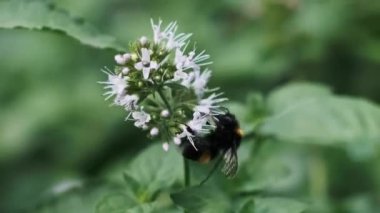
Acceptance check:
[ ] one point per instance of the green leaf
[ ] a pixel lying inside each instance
(116, 203)
(36, 15)
(150, 173)
(202, 199)
(250, 113)
(80, 199)
(310, 113)
(289, 95)
(247, 207)
(121, 203)
(273, 205)
(276, 167)
(154, 170)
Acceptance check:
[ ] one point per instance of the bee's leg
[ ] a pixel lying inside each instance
(216, 165)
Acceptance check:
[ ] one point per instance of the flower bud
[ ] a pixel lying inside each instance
(140, 84)
(134, 56)
(143, 40)
(165, 146)
(120, 59)
(179, 112)
(165, 113)
(125, 70)
(154, 131)
(127, 57)
(177, 140)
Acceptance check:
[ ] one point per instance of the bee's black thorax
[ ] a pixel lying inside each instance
(225, 132)
(224, 136)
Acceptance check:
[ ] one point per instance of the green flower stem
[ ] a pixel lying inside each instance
(159, 91)
(318, 175)
(185, 162)
(186, 167)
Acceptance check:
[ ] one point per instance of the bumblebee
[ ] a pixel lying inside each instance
(223, 141)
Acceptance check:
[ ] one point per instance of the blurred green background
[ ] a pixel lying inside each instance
(55, 125)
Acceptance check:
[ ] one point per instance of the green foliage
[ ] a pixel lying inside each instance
(202, 199)
(148, 178)
(153, 171)
(37, 15)
(275, 205)
(79, 199)
(308, 147)
(273, 168)
(311, 114)
(119, 203)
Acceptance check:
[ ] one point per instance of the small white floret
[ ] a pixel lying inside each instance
(141, 118)
(200, 81)
(129, 102)
(146, 65)
(210, 105)
(115, 85)
(198, 123)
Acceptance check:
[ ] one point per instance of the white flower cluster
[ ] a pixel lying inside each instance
(163, 86)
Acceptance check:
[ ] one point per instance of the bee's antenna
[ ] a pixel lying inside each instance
(216, 165)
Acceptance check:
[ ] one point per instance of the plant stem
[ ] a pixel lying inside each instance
(185, 162)
(159, 91)
(318, 177)
(186, 168)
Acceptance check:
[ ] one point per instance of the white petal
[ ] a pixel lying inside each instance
(145, 55)
(202, 108)
(153, 65)
(120, 59)
(141, 118)
(127, 57)
(180, 74)
(139, 66)
(146, 71)
(157, 34)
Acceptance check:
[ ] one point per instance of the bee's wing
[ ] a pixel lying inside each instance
(230, 162)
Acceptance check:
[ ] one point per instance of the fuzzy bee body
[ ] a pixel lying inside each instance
(224, 140)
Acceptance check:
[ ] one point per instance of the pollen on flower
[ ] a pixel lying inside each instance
(163, 86)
